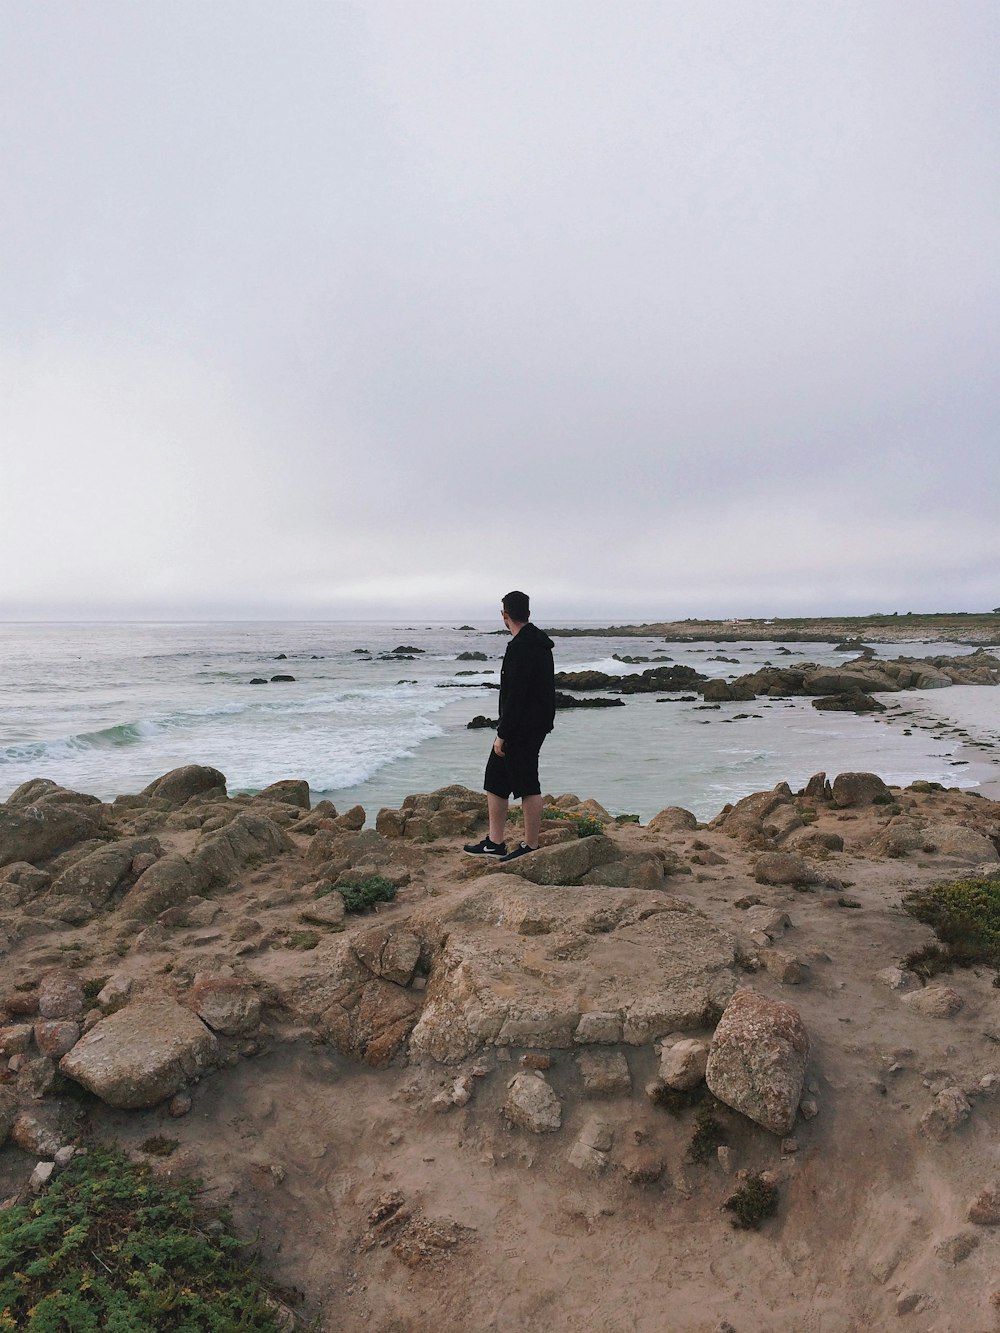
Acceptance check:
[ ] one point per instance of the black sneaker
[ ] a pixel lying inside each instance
(486, 848)
(522, 849)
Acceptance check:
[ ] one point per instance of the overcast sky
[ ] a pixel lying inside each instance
(318, 310)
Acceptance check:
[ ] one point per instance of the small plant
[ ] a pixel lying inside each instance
(965, 916)
(708, 1135)
(107, 1246)
(883, 798)
(158, 1145)
(843, 901)
(586, 825)
(93, 987)
(303, 939)
(626, 819)
(754, 1202)
(365, 893)
(928, 961)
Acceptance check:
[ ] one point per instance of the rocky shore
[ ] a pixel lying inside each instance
(478, 1096)
(976, 630)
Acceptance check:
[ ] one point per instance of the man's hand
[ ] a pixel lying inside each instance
(498, 747)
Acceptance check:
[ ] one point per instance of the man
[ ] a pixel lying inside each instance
(527, 712)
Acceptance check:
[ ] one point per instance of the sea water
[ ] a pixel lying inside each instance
(107, 708)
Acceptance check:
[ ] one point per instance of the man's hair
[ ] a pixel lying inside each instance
(516, 606)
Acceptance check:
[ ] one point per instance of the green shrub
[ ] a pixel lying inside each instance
(108, 1247)
(365, 893)
(928, 961)
(586, 825)
(965, 916)
(626, 819)
(752, 1203)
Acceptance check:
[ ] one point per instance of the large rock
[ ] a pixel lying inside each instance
(615, 965)
(965, 844)
(97, 876)
(391, 952)
(247, 840)
(782, 868)
(746, 818)
(289, 791)
(142, 1054)
(227, 1004)
(531, 1104)
(164, 885)
(757, 1060)
(673, 819)
(859, 789)
(40, 830)
(181, 784)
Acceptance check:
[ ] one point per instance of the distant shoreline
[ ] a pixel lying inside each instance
(972, 629)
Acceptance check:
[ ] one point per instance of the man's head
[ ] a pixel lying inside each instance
(515, 608)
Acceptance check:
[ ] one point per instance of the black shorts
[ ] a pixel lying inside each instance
(515, 773)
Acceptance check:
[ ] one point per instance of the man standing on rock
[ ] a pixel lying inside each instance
(527, 712)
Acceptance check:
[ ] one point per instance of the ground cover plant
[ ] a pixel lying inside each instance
(586, 825)
(363, 893)
(965, 916)
(108, 1247)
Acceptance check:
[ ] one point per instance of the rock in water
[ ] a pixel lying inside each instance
(757, 1060)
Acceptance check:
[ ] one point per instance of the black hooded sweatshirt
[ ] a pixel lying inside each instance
(527, 687)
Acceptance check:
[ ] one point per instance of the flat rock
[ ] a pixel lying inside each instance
(142, 1054)
(604, 1073)
(783, 868)
(622, 964)
(757, 1060)
(227, 1004)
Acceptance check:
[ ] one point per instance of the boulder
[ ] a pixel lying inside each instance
(949, 1109)
(180, 785)
(290, 791)
(390, 952)
(746, 818)
(164, 885)
(859, 789)
(61, 994)
(97, 876)
(783, 868)
(672, 819)
(532, 1104)
(40, 830)
(683, 1065)
(55, 1036)
(965, 844)
(227, 1004)
(851, 701)
(20, 882)
(604, 1073)
(757, 1060)
(142, 1054)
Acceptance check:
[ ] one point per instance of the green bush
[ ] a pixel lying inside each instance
(108, 1247)
(364, 893)
(965, 916)
(752, 1203)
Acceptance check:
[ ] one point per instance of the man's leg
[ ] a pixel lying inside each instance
(531, 807)
(497, 808)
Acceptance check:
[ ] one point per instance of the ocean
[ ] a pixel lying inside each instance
(106, 708)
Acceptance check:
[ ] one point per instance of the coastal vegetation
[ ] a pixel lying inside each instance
(108, 1246)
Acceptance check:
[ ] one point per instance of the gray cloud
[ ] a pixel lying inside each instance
(328, 309)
